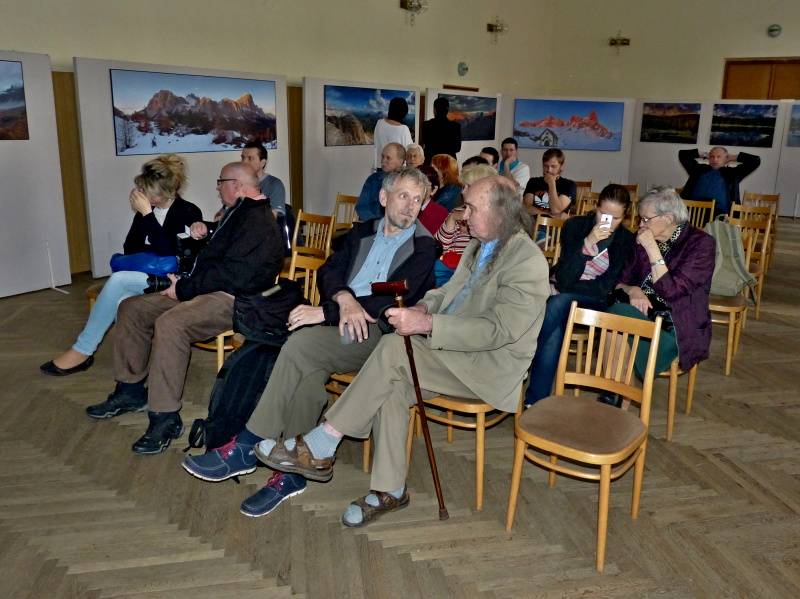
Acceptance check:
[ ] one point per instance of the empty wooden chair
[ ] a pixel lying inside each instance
(312, 234)
(700, 212)
(756, 237)
(599, 442)
(588, 203)
(582, 188)
(551, 244)
(344, 212)
(758, 212)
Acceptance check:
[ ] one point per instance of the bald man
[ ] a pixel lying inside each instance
(242, 255)
(719, 178)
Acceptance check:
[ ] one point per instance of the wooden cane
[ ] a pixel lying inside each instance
(398, 288)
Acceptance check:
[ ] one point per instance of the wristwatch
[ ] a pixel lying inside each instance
(659, 261)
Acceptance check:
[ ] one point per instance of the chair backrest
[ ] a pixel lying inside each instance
(551, 244)
(760, 230)
(305, 267)
(747, 212)
(633, 189)
(700, 212)
(312, 234)
(611, 348)
(344, 211)
(761, 199)
(589, 201)
(583, 187)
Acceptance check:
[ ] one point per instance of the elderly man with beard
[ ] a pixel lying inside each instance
(474, 337)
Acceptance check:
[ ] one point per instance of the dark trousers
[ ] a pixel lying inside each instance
(153, 339)
(551, 337)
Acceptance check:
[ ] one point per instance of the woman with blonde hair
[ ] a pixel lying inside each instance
(160, 215)
(450, 190)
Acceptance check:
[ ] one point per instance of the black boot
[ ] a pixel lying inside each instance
(612, 399)
(163, 428)
(126, 397)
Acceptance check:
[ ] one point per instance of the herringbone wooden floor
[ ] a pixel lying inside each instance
(81, 516)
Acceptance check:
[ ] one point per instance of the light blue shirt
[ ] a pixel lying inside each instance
(486, 252)
(376, 267)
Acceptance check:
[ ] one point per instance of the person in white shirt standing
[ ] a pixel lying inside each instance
(391, 129)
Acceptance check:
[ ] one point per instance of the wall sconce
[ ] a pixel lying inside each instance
(495, 28)
(413, 8)
(618, 41)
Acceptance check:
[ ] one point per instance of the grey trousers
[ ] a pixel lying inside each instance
(378, 400)
(295, 394)
(153, 338)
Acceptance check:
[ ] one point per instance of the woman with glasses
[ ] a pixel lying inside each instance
(160, 215)
(668, 275)
(594, 248)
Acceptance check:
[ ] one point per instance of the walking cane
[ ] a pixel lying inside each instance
(397, 288)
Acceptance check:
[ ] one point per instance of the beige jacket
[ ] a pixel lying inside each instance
(490, 339)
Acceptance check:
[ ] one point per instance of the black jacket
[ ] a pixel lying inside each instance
(731, 175)
(413, 261)
(571, 264)
(243, 255)
(162, 238)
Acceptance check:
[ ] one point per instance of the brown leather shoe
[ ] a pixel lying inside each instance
(299, 460)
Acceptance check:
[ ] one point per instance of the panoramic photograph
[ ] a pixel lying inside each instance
(476, 114)
(569, 124)
(13, 114)
(670, 122)
(352, 112)
(746, 125)
(168, 112)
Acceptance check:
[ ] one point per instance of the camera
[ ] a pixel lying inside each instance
(188, 248)
(156, 283)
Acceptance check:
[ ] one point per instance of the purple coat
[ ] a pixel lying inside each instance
(685, 288)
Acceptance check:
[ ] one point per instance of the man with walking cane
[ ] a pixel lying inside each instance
(474, 337)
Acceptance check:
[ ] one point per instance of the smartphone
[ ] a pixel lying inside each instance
(605, 220)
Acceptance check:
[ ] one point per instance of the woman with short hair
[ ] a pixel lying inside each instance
(160, 215)
(391, 129)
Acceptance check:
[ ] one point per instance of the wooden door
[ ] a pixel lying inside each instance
(761, 79)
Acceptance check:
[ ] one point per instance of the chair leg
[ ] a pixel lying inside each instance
(220, 352)
(516, 475)
(480, 438)
(737, 333)
(449, 427)
(690, 388)
(602, 515)
(412, 417)
(671, 396)
(759, 287)
(365, 455)
(551, 475)
(730, 344)
(638, 476)
(417, 426)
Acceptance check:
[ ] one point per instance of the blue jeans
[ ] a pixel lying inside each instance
(121, 285)
(551, 337)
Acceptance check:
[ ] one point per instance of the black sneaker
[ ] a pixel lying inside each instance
(126, 397)
(163, 428)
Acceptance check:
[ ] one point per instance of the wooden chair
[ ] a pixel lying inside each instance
(315, 231)
(730, 311)
(773, 200)
(633, 218)
(344, 212)
(226, 341)
(589, 201)
(551, 244)
(582, 188)
(751, 212)
(756, 237)
(584, 431)
(304, 268)
(672, 374)
(92, 292)
(700, 212)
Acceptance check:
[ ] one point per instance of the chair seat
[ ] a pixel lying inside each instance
(582, 424)
(726, 303)
(344, 377)
(460, 404)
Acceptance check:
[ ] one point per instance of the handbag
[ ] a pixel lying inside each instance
(263, 316)
(145, 262)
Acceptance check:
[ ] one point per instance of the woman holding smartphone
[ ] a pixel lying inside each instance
(594, 249)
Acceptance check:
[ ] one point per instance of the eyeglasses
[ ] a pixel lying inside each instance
(221, 181)
(644, 220)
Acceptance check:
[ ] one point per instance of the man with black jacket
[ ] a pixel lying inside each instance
(336, 336)
(718, 179)
(242, 255)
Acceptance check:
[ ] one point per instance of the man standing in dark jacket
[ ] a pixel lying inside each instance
(716, 179)
(440, 135)
(336, 336)
(243, 254)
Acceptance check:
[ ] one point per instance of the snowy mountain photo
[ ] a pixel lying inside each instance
(166, 112)
(569, 124)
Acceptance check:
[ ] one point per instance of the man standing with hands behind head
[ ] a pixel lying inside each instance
(716, 180)
(551, 194)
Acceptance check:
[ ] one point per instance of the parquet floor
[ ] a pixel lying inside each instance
(81, 516)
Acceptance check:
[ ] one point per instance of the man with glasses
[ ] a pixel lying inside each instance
(243, 254)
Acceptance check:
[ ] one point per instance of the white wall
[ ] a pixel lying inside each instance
(657, 163)
(337, 169)
(468, 148)
(30, 195)
(582, 165)
(108, 178)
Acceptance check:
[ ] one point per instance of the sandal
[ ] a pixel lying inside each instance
(386, 503)
(299, 460)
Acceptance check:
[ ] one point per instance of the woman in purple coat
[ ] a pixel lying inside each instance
(669, 275)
